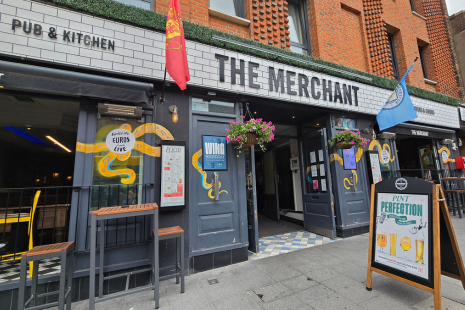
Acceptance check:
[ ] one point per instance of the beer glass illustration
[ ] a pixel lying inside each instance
(382, 240)
(405, 244)
(419, 245)
(393, 243)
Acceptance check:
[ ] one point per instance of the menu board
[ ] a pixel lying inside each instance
(350, 162)
(173, 175)
(402, 239)
(374, 167)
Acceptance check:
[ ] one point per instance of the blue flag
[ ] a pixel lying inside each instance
(398, 108)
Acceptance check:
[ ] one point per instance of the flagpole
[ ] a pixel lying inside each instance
(162, 97)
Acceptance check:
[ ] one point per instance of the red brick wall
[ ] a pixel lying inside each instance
(353, 33)
(457, 22)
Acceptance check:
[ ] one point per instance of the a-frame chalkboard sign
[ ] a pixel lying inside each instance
(411, 235)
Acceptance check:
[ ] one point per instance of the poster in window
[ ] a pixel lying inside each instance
(315, 185)
(314, 171)
(322, 170)
(350, 162)
(375, 168)
(214, 153)
(173, 183)
(320, 155)
(323, 185)
(402, 239)
(312, 157)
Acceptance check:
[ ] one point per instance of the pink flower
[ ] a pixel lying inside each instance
(268, 125)
(368, 140)
(242, 116)
(273, 128)
(227, 129)
(353, 142)
(358, 132)
(233, 122)
(227, 138)
(247, 122)
(238, 138)
(264, 129)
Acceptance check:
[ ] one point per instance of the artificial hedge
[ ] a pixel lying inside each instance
(154, 21)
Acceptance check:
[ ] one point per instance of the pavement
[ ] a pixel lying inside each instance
(326, 277)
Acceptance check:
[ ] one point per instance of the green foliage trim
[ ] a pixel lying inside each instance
(117, 11)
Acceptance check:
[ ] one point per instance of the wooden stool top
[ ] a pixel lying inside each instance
(169, 231)
(454, 190)
(49, 248)
(131, 208)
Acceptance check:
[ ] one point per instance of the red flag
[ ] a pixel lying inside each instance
(175, 48)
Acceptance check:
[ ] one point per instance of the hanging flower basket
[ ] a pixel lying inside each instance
(348, 139)
(254, 131)
(251, 139)
(344, 146)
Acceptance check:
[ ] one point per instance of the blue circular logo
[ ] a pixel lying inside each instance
(396, 98)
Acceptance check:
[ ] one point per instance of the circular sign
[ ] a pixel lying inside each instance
(445, 156)
(396, 98)
(401, 184)
(385, 156)
(120, 141)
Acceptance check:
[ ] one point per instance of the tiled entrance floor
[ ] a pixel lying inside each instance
(9, 271)
(285, 243)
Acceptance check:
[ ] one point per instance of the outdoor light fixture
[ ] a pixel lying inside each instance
(318, 124)
(28, 128)
(69, 177)
(255, 112)
(122, 110)
(211, 93)
(174, 113)
(37, 180)
(387, 135)
(59, 144)
(447, 141)
(293, 116)
(56, 175)
(460, 142)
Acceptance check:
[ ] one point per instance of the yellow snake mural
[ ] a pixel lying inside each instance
(424, 157)
(445, 149)
(128, 176)
(358, 156)
(198, 167)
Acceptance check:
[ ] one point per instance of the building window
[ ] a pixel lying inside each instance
(422, 59)
(297, 28)
(230, 7)
(343, 122)
(392, 47)
(143, 4)
(412, 5)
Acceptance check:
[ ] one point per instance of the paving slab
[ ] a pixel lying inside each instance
(428, 304)
(334, 302)
(299, 283)
(350, 289)
(238, 301)
(384, 302)
(272, 292)
(288, 303)
(313, 293)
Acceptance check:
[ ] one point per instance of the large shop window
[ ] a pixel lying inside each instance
(297, 28)
(117, 178)
(143, 4)
(212, 106)
(231, 7)
(392, 48)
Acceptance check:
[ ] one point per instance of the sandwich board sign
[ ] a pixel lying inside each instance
(411, 235)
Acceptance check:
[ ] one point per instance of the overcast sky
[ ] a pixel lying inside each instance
(454, 6)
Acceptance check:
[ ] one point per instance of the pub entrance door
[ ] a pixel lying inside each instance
(317, 198)
(251, 190)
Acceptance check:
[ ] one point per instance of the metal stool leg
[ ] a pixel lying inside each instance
(457, 204)
(61, 292)
(156, 260)
(35, 277)
(101, 254)
(182, 262)
(22, 283)
(178, 253)
(70, 279)
(92, 263)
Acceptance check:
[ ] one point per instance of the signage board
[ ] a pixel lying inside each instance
(373, 160)
(350, 162)
(411, 234)
(214, 153)
(173, 174)
(120, 141)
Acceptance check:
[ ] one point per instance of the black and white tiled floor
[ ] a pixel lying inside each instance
(9, 271)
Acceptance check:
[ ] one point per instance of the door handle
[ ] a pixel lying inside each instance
(277, 175)
(216, 186)
(249, 181)
(354, 180)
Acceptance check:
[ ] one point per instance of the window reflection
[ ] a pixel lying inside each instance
(231, 7)
(143, 4)
(345, 122)
(296, 29)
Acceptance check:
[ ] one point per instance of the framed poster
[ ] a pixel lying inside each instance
(214, 153)
(402, 229)
(323, 185)
(374, 166)
(173, 174)
(350, 162)
(312, 157)
(320, 155)
(322, 170)
(314, 171)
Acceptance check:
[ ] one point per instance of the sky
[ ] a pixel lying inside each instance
(454, 6)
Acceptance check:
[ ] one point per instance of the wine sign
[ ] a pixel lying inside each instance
(410, 229)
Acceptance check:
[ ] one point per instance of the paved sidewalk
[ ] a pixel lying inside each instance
(331, 276)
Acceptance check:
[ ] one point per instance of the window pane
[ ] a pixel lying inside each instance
(214, 106)
(138, 3)
(231, 7)
(299, 50)
(295, 24)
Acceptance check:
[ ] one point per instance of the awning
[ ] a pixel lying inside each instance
(16, 76)
(421, 131)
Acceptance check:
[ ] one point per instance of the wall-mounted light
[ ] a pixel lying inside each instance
(211, 93)
(121, 110)
(174, 113)
(69, 177)
(28, 128)
(460, 142)
(37, 180)
(293, 116)
(56, 175)
(255, 112)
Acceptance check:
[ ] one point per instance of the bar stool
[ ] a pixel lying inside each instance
(63, 250)
(177, 233)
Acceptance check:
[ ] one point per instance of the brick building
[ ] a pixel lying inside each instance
(75, 73)
(457, 22)
(379, 37)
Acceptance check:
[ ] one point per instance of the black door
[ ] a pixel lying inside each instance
(317, 198)
(251, 190)
(271, 207)
(284, 177)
